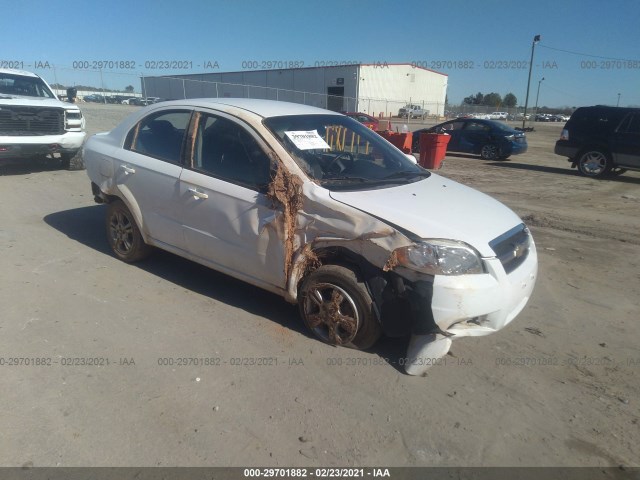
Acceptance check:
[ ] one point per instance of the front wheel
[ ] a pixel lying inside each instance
(594, 163)
(124, 235)
(615, 171)
(489, 152)
(72, 160)
(336, 306)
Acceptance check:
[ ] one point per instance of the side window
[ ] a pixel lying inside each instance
(477, 127)
(453, 126)
(160, 135)
(226, 150)
(634, 126)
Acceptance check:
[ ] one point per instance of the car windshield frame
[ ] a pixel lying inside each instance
(502, 126)
(370, 163)
(29, 86)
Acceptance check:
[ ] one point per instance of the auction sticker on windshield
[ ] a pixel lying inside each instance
(309, 140)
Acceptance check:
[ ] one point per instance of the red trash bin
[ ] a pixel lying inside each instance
(400, 140)
(433, 149)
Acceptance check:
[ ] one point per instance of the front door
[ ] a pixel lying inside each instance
(627, 142)
(228, 219)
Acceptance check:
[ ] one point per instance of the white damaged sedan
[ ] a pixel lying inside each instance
(315, 207)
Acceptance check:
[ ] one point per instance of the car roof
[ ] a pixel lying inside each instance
(607, 107)
(22, 73)
(263, 108)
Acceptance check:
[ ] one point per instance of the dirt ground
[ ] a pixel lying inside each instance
(558, 387)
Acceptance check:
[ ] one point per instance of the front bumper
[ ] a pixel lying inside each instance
(28, 146)
(473, 305)
(516, 148)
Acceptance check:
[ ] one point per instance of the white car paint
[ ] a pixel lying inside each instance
(239, 232)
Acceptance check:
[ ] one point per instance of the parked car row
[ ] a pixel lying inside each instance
(547, 117)
(123, 99)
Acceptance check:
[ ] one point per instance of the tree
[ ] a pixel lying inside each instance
(477, 99)
(128, 89)
(493, 99)
(509, 100)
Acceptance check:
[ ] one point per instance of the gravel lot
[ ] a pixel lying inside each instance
(558, 387)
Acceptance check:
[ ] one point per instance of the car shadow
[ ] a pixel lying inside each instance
(563, 171)
(26, 166)
(463, 155)
(86, 226)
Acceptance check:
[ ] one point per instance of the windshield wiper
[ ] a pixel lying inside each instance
(344, 177)
(406, 173)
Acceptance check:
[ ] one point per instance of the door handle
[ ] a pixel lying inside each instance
(197, 193)
(128, 170)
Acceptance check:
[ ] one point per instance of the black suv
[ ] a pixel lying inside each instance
(602, 140)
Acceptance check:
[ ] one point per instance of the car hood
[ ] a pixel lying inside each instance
(16, 100)
(437, 207)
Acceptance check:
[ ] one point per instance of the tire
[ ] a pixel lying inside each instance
(72, 161)
(594, 163)
(124, 235)
(336, 306)
(489, 151)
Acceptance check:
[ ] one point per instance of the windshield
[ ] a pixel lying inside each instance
(503, 126)
(23, 86)
(340, 153)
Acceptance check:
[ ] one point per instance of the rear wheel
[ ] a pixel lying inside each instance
(336, 306)
(124, 235)
(594, 163)
(489, 151)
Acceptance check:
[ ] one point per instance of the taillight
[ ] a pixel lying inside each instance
(565, 134)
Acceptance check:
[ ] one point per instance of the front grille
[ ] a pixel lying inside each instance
(21, 121)
(512, 247)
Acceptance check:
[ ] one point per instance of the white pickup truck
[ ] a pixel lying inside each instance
(412, 111)
(34, 123)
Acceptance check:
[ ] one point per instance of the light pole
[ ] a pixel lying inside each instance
(536, 39)
(618, 104)
(538, 94)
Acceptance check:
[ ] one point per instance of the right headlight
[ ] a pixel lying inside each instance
(440, 257)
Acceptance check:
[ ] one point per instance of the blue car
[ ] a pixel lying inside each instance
(490, 139)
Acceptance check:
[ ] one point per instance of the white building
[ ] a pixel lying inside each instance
(370, 88)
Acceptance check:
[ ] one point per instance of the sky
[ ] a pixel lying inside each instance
(588, 54)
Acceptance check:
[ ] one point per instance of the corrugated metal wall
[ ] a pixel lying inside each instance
(373, 89)
(388, 88)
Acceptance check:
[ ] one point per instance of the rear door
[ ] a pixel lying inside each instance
(473, 136)
(148, 172)
(626, 146)
(228, 220)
